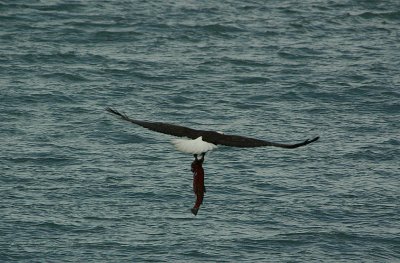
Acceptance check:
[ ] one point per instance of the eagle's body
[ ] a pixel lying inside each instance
(196, 146)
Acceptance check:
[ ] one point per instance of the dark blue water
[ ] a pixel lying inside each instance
(78, 185)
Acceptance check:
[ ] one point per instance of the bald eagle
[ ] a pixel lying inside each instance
(200, 141)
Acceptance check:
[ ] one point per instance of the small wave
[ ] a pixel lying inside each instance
(252, 80)
(395, 15)
(50, 57)
(246, 62)
(116, 35)
(40, 160)
(65, 76)
(67, 6)
(128, 138)
(298, 53)
(218, 28)
(392, 141)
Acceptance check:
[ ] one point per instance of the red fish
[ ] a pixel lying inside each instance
(198, 182)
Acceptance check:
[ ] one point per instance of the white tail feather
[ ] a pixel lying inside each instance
(196, 146)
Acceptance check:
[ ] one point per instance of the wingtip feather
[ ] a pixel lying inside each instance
(111, 110)
(315, 139)
(117, 113)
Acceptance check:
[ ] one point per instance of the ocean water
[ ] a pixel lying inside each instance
(78, 185)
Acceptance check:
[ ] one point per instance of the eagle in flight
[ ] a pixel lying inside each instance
(199, 142)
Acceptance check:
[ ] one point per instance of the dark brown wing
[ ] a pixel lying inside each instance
(241, 141)
(161, 127)
(208, 136)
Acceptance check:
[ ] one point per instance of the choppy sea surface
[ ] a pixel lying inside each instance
(78, 185)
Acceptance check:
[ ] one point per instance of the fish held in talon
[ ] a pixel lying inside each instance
(198, 182)
(197, 142)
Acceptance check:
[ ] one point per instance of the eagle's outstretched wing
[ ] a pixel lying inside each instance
(208, 136)
(161, 127)
(241, 141)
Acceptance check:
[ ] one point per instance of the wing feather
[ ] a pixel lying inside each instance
(241, 141)
(166, 128)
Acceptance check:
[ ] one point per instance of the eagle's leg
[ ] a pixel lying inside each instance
(202, 155)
